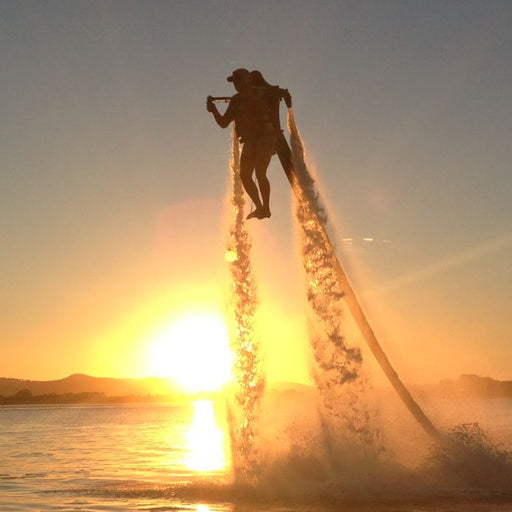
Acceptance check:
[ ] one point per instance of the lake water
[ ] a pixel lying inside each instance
(177, 458)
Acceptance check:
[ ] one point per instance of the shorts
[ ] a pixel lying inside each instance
(265, 144)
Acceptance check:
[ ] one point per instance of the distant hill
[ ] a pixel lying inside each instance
(79, 383)
(80, 388)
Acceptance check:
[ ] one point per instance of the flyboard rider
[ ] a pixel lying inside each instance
(255, 112)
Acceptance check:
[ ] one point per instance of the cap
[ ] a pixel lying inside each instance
(238, 72)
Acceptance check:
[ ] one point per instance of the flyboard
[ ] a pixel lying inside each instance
(288, 159)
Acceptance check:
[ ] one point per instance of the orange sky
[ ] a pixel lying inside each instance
(114, 180)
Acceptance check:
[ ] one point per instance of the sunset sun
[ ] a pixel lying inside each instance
(193, 350)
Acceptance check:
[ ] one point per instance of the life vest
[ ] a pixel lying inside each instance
(253, 118)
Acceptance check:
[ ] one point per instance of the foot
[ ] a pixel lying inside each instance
(255, 214)
(264, 213)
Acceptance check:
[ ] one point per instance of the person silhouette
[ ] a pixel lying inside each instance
(251, 109)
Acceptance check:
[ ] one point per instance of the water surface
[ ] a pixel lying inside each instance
(162, 457)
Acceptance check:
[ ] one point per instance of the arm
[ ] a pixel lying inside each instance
(222, 120)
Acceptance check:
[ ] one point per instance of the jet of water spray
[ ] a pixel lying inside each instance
(298, 180)
(250, 380)
(338, 364)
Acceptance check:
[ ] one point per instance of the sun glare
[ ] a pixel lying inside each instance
(194, 352)
(206, 440)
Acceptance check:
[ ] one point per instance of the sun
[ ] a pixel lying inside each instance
(193, 350)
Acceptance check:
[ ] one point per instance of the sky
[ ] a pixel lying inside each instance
(114, 178)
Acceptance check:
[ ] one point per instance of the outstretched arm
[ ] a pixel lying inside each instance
(222, 120)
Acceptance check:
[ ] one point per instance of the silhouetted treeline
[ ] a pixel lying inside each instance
(25, 397)
(476, 386)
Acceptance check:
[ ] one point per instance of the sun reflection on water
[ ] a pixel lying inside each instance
(207, 443)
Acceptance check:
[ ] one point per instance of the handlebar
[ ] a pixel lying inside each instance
(225, 99)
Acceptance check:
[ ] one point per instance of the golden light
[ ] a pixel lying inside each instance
(208, 450)
(193, 351)
(230, 256)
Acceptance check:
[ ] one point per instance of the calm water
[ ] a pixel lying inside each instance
(169, 458)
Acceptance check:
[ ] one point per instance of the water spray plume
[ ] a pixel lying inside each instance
(250, 381)
(338, 364)
(303, 187)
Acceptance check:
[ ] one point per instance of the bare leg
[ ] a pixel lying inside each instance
(247, 164)
(264, 184)
(262, 160)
